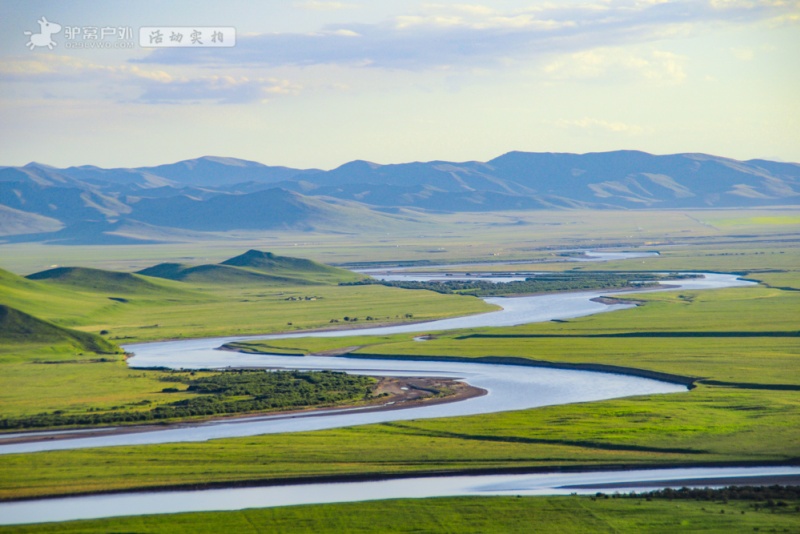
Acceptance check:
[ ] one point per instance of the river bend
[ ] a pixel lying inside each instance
(509, 387)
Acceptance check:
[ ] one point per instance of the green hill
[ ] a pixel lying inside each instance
(215, 274)
(17, 327)
(13, 282)
(253, 267)
(51, 301)
(98, 280)
(270, 263)
(73, 297)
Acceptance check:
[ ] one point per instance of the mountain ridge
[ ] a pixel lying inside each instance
(219, 194)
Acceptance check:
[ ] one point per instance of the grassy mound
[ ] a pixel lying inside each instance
(59, 303)
(14, 282)
(97, 280)
(216, 274)
(254, 267)
(273, 264)
(19, 327)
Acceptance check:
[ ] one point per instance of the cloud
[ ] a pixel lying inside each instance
(151, 86)
(58, 68)
(214, 89)
(467, 35)
(658, 66)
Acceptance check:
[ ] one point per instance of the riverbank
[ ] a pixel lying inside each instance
(687, 381)
(348, 352)
(390, 394)
(592, 475)
(466, 515)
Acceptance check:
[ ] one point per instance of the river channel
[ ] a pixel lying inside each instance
(96, 506)
(509, 387)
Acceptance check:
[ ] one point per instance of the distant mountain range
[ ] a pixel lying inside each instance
(91, 205)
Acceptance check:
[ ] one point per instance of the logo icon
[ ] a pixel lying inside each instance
(43, 38)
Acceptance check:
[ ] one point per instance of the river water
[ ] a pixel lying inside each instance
(96, 506)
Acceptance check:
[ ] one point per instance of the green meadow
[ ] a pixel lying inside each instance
(447, 238)
(739, 346)
(65, 356)
(465, 514)
(136, 308)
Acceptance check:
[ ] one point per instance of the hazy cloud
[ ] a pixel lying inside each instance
(477, 35)
(658, 66)
(215, 89)
(151, 86)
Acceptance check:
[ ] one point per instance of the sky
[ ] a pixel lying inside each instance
(317, 83)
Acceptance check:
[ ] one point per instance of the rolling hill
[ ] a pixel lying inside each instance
(17, 327)
(267, 262)
(253, 267)
(68, 295)
(99, 280)
(215, 274)
(35, 297)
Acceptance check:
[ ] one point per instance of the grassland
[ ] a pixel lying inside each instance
(743, 335)
(223, 393)
(447, 238)
(185, 310)
(43, 374)
(741, 344)
(464, 514)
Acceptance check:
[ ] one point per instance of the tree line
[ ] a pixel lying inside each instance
(544, 283)
(771, 496)
(229, 392)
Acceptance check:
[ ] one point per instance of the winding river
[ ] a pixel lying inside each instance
(509, 387)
